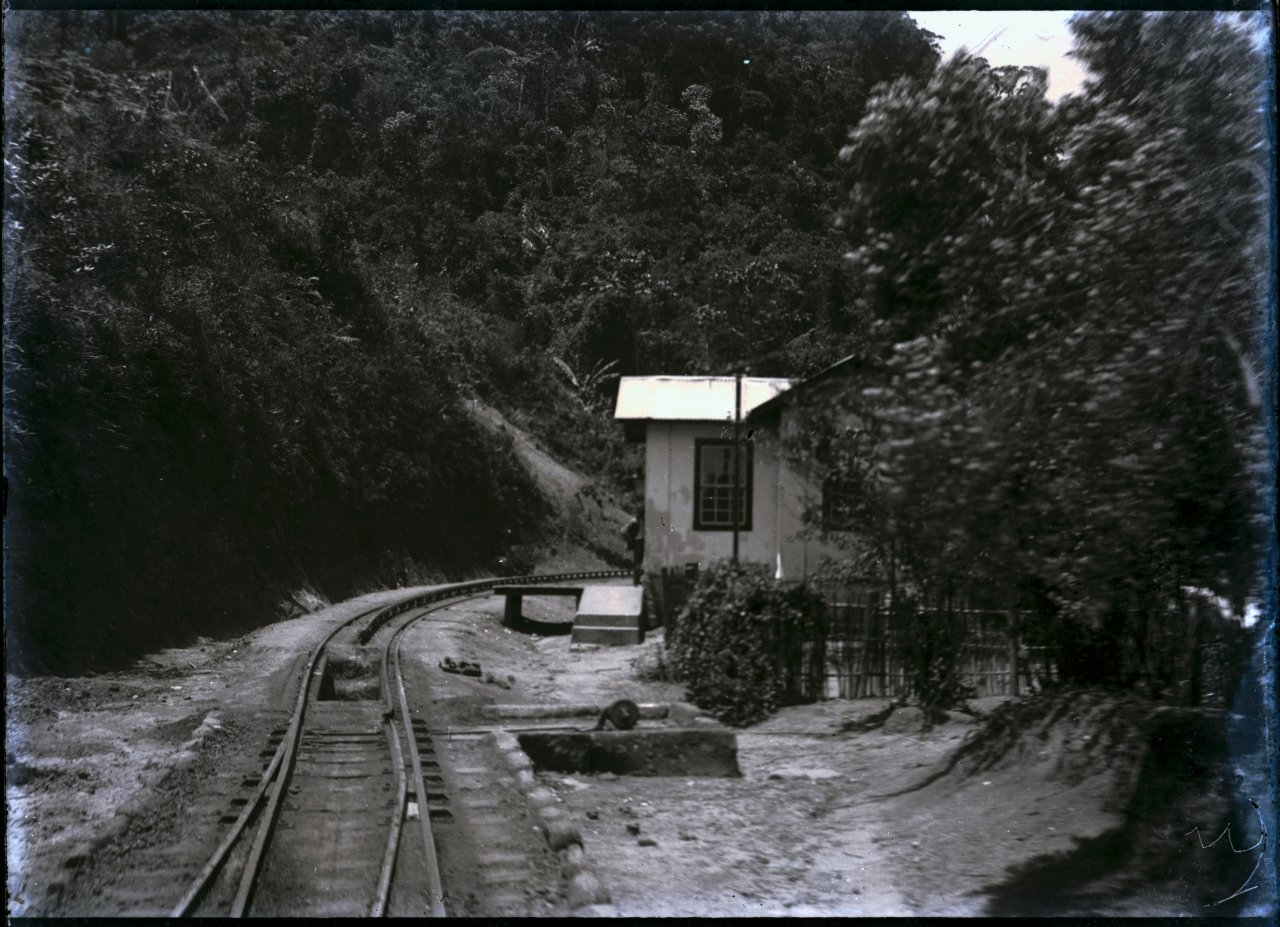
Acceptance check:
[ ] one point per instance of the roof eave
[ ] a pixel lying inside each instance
(773, 407)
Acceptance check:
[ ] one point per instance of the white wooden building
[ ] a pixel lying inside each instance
(687, 426)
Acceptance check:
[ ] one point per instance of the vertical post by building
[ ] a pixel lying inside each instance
(737, 459)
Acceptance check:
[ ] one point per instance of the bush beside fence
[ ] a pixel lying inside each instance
(746, 645)
(743, 643)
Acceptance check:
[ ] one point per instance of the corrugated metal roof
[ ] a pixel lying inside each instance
(691, 399)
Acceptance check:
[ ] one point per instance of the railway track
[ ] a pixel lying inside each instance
(349, 813)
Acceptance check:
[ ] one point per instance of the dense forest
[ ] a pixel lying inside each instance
(256, 262)
(1072, 339)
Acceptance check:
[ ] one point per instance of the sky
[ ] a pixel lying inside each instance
(1011, 37)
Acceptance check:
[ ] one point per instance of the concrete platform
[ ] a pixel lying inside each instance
(512, 616)
(610, 615)
(649, 711)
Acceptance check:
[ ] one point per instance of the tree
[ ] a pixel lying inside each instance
(1068, 404)
(262, 258)
(952, 184)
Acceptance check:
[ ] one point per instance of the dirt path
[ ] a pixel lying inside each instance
(823, 821)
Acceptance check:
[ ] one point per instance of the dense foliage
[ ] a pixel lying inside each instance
(1063, 400)
(742, 641)
(254, 262)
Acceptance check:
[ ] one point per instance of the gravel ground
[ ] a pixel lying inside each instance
(96, 766)
(823, 821)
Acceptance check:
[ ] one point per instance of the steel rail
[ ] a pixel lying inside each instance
(383, 894)
(391, 671)
(280, 769)
(205, 878)
(292, 739)
(435, 886)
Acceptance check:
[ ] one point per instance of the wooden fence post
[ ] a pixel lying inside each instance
(1013, 652)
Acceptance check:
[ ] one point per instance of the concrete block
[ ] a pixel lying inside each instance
(585, 889)
(573, 859)
(610, 615)
(647, 752)
(542, 798)
(610, 637)
(608, 621)
(183, 759)
(504, 741)
(548, 814)
(649, 710)
(562, 834)
(516, 759)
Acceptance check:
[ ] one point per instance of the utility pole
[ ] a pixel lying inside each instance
(737, 452)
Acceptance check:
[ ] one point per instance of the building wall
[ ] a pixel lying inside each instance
(778, 500)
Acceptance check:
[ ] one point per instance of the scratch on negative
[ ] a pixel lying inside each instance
(1245, 887)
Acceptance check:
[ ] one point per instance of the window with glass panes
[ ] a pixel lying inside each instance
(714, 484)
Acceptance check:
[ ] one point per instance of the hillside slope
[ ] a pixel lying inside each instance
(584, 519)
(259, 260)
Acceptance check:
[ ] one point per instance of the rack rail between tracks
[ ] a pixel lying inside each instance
(264, 805)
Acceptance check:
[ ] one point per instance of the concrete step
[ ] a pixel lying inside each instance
(607, 621)
(590, 634)
(611, 615)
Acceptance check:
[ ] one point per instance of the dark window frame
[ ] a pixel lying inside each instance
(744, 517)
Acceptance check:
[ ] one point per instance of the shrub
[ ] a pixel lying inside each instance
(653, 665)
(930, 651)
(740, 642)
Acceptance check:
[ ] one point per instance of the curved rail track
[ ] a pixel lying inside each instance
(324, 828)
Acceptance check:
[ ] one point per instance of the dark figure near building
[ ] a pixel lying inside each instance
(634, 534)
